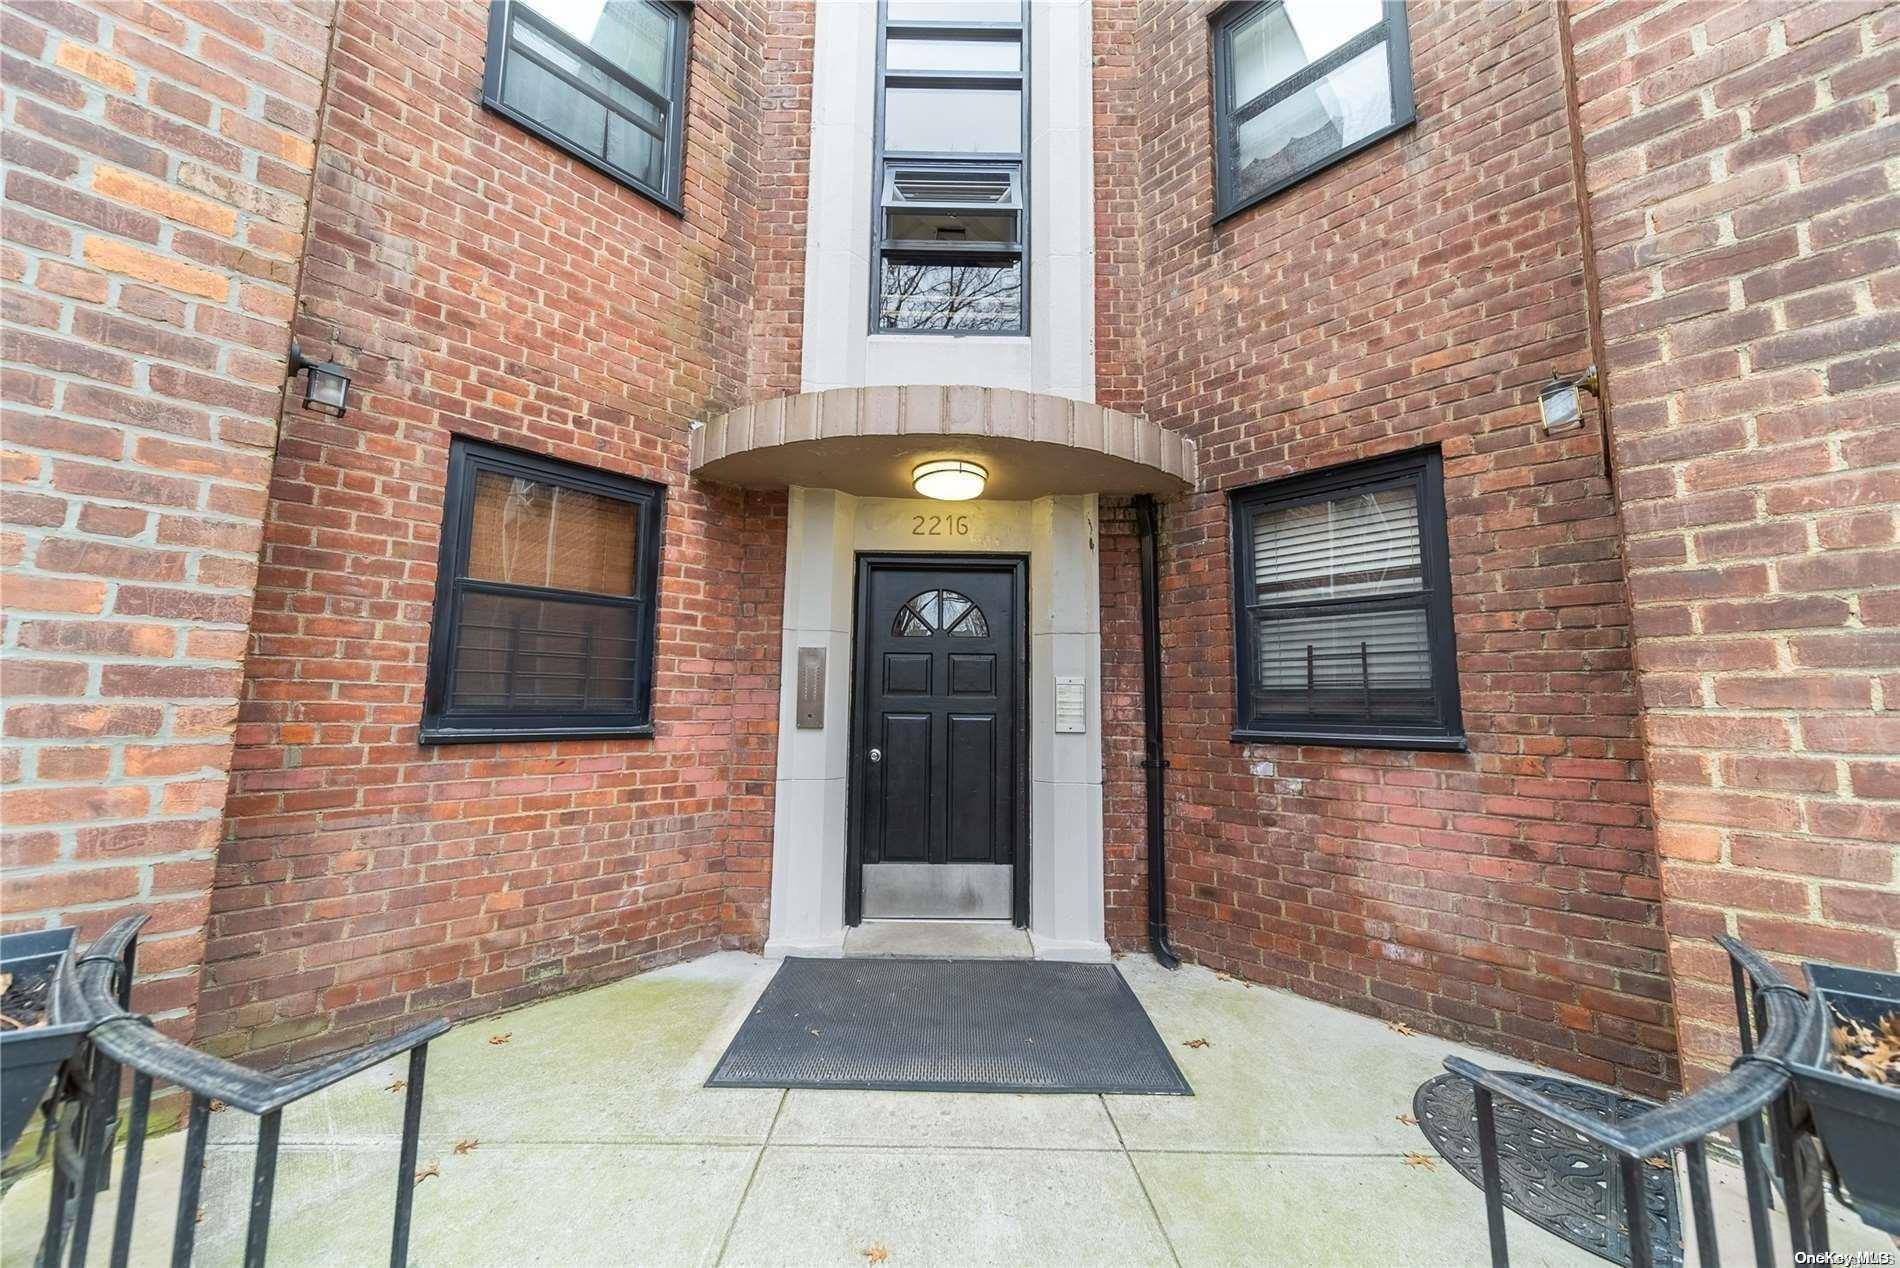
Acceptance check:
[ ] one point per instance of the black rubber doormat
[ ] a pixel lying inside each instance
(950, 1026)
(1552, 1176)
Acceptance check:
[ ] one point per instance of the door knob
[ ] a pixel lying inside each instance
(876, 755)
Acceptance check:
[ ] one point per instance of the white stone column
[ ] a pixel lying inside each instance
(1065, 639)
(1062, 198)
(838, 219)
(808, 821)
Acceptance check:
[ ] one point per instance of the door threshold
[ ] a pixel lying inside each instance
(992, 921)
(953, 939)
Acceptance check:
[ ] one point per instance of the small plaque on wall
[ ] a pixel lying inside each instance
(1071, 707)
(811, 689)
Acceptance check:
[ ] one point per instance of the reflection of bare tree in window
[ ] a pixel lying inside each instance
(920, 295)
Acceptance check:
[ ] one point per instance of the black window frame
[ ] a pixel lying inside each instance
(1421, 470)
(1391, 30)
(442, 724)
(502, 14)
(1017, 31)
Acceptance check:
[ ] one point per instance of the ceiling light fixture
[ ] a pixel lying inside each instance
(949, 480)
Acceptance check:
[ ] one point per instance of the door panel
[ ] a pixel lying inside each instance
(972, 675)
(906, 675)
(939, 740)
(908, 787)
(971, 804)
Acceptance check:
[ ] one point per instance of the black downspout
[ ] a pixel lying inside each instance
(1153, 764)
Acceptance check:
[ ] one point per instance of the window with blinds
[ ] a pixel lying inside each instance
(545, 598)
(1343, 608)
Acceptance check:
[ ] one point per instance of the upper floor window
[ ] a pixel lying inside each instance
(953, 122)
(1342, 608)
(1301, 84)
(602, 79)
(546, 590)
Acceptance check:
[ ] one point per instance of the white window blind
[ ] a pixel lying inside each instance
(1376, 663)
(1360, 545)
(1344, 631)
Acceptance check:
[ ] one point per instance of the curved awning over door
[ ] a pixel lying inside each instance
(866, 441)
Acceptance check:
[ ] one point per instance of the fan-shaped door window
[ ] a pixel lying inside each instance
(940, 612)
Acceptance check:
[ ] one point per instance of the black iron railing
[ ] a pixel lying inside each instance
(84, 1115)
(1772, 1017)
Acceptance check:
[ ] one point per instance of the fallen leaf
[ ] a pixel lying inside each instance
(466, 1146)
(396, 1085)
(1661, 1164)
(1870, 1053)
(216, 1105)
(200, 1218)
(502, 1038)
(1420, 1160)
(875, 1253)
(1398, 1028)
(1194, 1043)
(816, 1031)
(1407, 1119)
(433, 1169)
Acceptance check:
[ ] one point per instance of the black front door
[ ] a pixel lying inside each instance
(939, 740)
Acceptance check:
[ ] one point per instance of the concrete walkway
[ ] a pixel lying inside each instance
(577, 1131)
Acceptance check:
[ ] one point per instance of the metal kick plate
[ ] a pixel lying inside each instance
(937, 891)
(811, 689)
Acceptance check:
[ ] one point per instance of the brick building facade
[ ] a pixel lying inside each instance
(1674, 625)
(1510, 890)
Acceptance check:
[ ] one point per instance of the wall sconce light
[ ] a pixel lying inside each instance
(1562, 408)
(327, 386)
(949, 480)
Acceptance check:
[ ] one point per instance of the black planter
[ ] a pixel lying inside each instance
(29, 1058)
(1858, 1120)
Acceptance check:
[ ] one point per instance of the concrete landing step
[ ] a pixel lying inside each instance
(964, 939)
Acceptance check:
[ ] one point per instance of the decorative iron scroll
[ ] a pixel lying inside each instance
(1553, 1177)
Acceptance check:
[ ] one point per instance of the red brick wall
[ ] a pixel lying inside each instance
(1116, 135)
(1415, 294)
(1124, 785)
(759, 600)
(1119, 367)
(1739, 167)
(778, 303)
(481, 283)
(159, 166)
(775, 352)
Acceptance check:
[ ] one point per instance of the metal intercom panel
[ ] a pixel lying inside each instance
(811, 689)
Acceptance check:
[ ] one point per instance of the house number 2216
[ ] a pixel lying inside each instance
(940, 526)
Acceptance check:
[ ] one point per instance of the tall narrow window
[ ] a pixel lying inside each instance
(604, 80)
(1301, 84)
(1342, 611)
(953, 125)
(545, 596)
